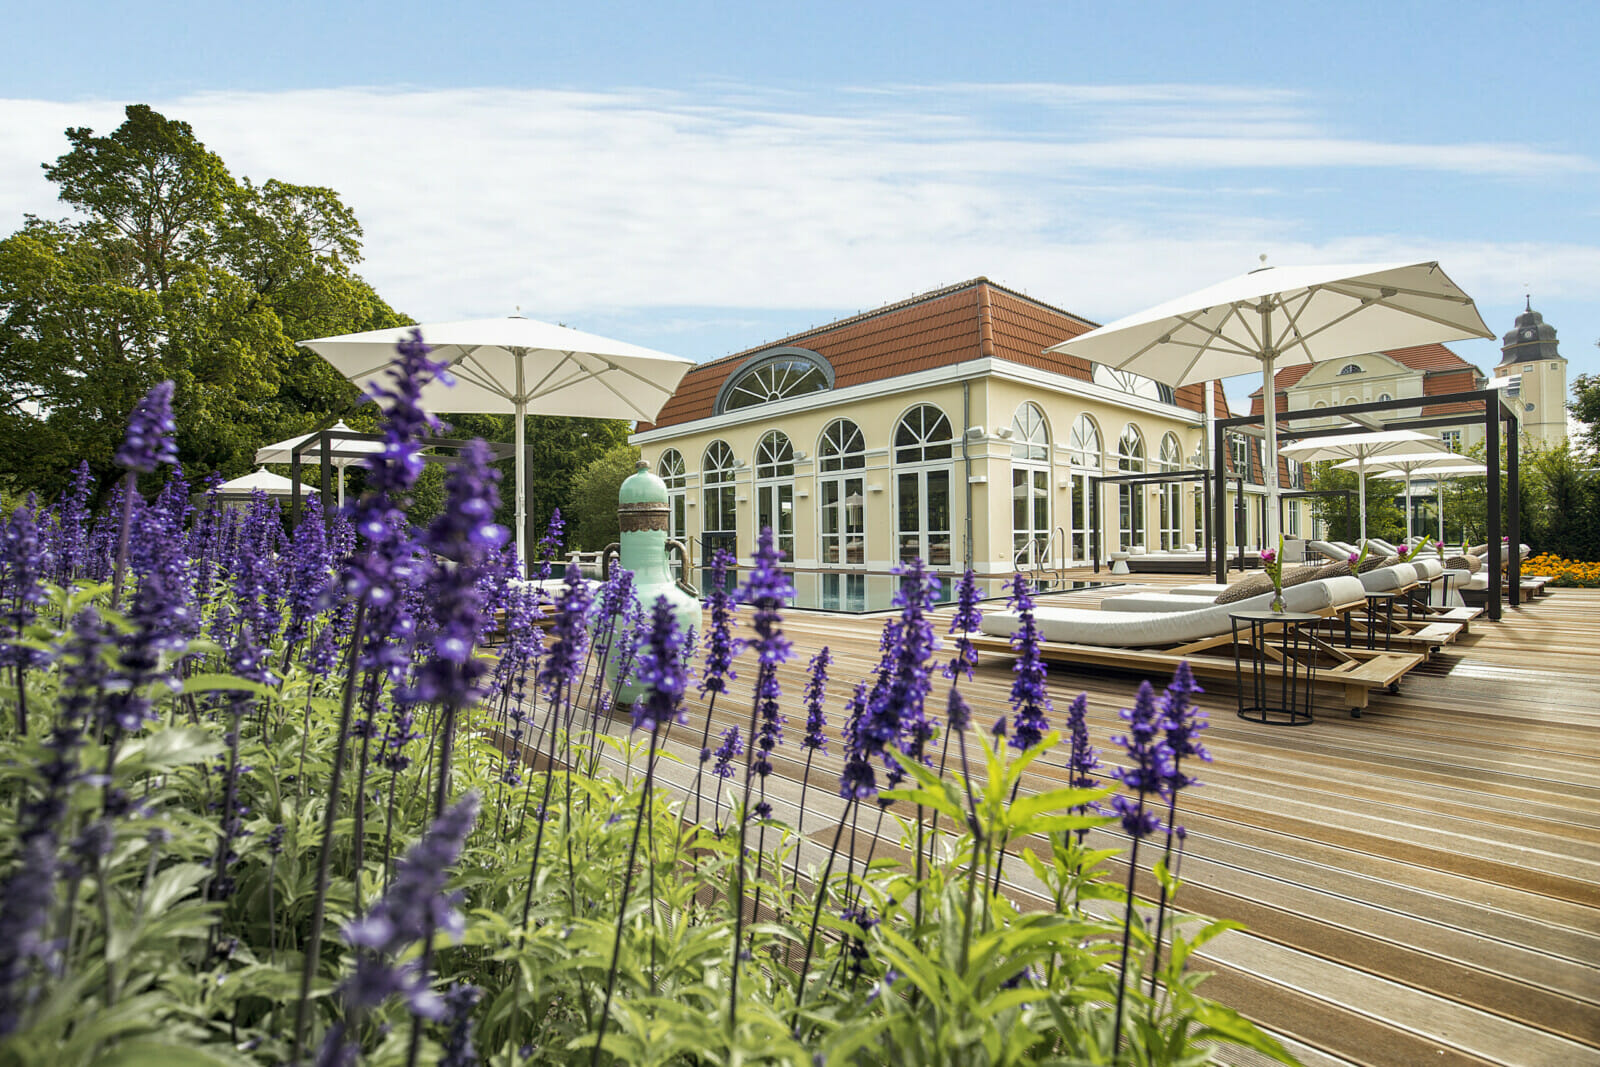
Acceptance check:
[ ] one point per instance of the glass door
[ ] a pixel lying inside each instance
(775, 508)
(1171, 518)
(923, 510)
(1030, 515)
(1079, 518)
(844, 522)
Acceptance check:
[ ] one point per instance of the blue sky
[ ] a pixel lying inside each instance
(703, 178)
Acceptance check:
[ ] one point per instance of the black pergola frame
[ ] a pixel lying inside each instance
(323, 440)
(1496, 413)
(1202, 476)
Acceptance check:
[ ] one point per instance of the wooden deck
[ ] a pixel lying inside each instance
(1421, 885)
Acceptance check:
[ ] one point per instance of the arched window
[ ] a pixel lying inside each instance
(1130, 496)
(1171, 453)
(841, 495)
(1169, 495)
(719, 517)
(773, 376)
(922, 494)
(842, 447)
(1030, 436)
(1384, 398)
(1130, 449)
(1350, 368)
(774, 456)
(1030, 486)
(775, 489)
(670, 469)
(1133, 384)
(1084, 447)
(923, 436)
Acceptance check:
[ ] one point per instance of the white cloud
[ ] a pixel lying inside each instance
(476, 201)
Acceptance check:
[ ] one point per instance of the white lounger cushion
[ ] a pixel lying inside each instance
(1390, 579)
(1153, 629)
(1302, 597)
(1427, 569)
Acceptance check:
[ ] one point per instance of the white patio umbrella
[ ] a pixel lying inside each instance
(1283, 316)
(1465, 469)
(1361, 447)
(343, 451)
(522, 367)
(261, 481)
(1405, 464)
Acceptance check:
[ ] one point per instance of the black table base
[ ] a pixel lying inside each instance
(1284, 699)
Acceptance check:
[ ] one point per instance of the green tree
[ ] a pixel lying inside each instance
(1340, 516)
(170, 268)
(559, 450)
(594, 497)
(1585, 407)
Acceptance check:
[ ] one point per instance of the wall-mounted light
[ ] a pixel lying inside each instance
(874, 488)
(975, 433)
(1004, 432)
(978, 479)
(799, 454)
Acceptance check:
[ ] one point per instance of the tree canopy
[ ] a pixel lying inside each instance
(170, 267)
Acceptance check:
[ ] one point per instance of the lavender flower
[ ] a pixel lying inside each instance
(767, 590)
(549, 545)
(415, 907)
(1030, 700)
(459, 1002)
(965, 623)
(563, 663)
(72, 527)
(1083, 758)
(661, 671)
(731, 748)
(722, 647)
(149, 440)
(1150, 764)
(1183, 722)
(24, 565)
(815, 696)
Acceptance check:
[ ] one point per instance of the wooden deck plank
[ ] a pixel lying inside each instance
(1423, 883)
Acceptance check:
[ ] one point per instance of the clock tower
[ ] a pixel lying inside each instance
(1529, 352)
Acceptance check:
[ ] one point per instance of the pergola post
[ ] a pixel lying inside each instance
(1491, 444)
(1219, 518)
(1514, 520)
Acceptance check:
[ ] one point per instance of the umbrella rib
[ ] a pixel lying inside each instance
(597, 376)
(472, 369)
(1416, 313)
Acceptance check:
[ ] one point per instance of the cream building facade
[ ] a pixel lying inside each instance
(937, 428)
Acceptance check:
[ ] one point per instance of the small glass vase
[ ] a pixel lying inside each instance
(1277, 600)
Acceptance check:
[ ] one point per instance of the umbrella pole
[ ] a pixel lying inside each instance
(1361, 471)
(1438, 488)
(1269, 407)
(1408, 503)
(522, 482)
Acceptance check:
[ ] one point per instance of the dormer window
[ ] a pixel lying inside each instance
(1350, 368)
(773, 376)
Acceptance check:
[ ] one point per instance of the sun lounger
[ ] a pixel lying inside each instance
(1154, 642)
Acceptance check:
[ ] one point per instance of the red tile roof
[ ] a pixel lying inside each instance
(971, 320)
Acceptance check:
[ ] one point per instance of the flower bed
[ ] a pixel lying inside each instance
(1563, 571)
(275, 805)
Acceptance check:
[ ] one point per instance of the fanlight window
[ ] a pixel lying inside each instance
(778, 377)
(671, 470)
(1084, 448)
(1350, 368)
(1130, 449)
(1030, 440)
(1134, 384)
(718, 465)
(774, 456)
(1171, 453)
(922, 436)
(842, 447)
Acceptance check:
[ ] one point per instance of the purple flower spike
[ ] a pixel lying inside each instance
(1149, 765)
(661, 671)
(767, 590)
(721, 648)
(1084, 759)
(966, 622)
(731, 748)
(1183, 723)
(149, 441)
(569, 635)
(415, 906)
(1030, 701)
(816, 696)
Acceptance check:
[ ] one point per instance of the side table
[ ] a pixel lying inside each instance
(1380, 605)
(1287, 699)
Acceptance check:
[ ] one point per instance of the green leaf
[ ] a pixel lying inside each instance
(225, 683)
(150, 1052)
